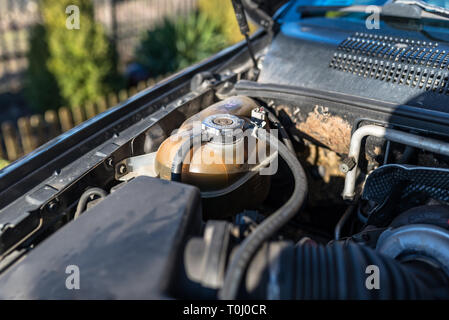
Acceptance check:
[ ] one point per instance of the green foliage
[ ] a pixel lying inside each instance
(3, 163)
(176, 44)
(80, 64)
(41, 88)
(222, 12)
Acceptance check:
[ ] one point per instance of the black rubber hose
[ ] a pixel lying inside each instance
(285, 137)
(362, 217)
(341, 223)
(408, 153)
(85, 197)
(181, 153)
(270, 225)
(340, 271)
(437, 215)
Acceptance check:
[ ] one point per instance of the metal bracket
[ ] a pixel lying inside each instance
(136, 166)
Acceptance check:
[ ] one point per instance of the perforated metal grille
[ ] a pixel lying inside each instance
(434, 182)
(414, 63)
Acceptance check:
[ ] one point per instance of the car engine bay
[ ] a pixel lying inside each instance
(291, 179)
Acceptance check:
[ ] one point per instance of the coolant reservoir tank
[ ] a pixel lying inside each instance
(214, 165)
(239, 106)
(217, 164)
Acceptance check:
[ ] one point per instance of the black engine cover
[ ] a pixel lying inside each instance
(129, 246)
(391, 65)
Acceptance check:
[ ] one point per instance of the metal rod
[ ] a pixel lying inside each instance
(387, 152)
(251, 52)
(244, 27)
(405, 138)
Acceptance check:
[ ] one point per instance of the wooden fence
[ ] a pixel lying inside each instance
(17, 139)
(124, 22)
(16, 19)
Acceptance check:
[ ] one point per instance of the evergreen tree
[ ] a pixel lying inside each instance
(81, 61)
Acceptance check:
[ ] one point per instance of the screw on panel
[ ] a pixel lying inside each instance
(122, 169)
(347, 165)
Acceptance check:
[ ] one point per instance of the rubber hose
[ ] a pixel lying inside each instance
(339, 271)
(341, 223)
(437, 215)
(285, 137)
(270, 225)
(181, 153)
(85, 198)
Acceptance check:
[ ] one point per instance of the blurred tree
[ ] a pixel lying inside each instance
(222, 12)
(41, 88)
(81, 61)
(3, 163)
(176, 44)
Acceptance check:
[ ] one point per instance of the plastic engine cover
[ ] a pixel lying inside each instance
(128, 246)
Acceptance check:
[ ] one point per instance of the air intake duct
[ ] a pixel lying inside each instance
(281, 270)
